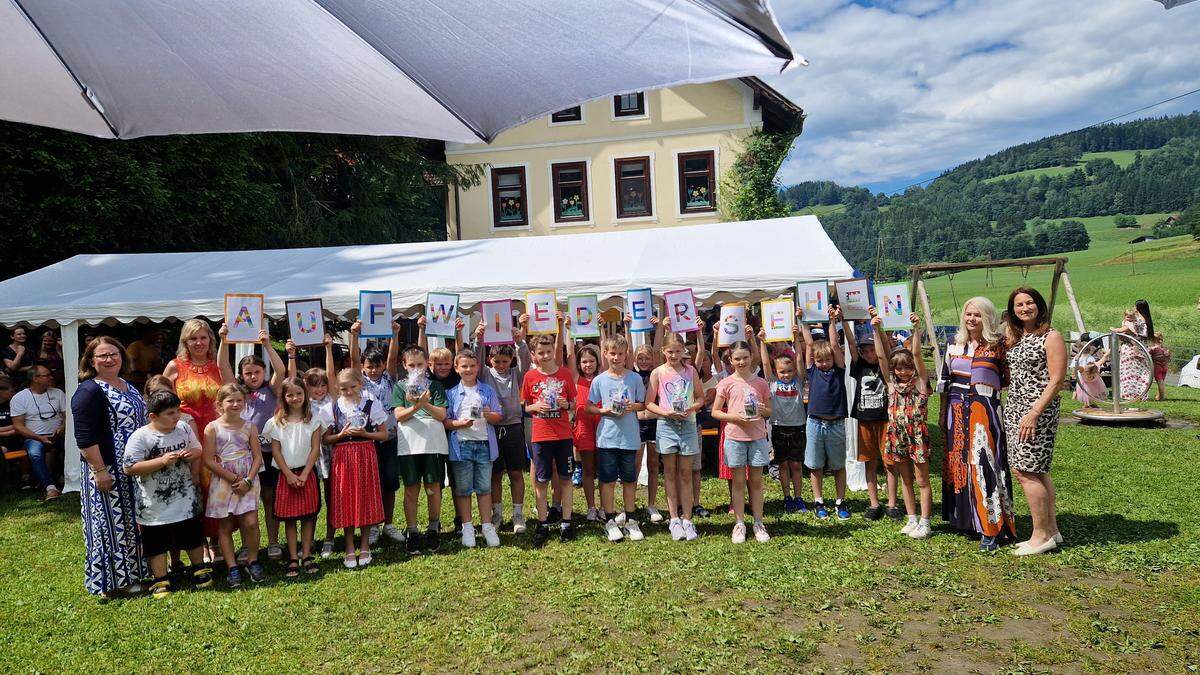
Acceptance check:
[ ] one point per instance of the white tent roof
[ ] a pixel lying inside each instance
(720, 261)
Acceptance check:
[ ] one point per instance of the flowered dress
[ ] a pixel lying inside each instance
(110, 532)
(233, 453)
(907, 437)
(976, 485)
(1135, 367)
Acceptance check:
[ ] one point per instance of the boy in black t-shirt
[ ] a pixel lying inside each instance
(870, 409)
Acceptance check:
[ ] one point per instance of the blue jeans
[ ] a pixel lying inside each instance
(37, 459)
(473, 470)
(614, 463)
(825, 447)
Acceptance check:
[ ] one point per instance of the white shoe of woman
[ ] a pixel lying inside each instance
(1038, 549)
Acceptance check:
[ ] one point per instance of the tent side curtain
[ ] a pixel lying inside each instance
(720, 261)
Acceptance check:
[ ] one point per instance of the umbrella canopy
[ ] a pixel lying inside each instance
(1174, 3)
(457, 70)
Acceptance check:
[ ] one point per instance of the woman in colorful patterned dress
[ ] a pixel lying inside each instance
(1134, 361)
(107, 410)
(198, 373)
(976, 486)
(1037, 359)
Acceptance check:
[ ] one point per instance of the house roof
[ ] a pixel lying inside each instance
(779, 113)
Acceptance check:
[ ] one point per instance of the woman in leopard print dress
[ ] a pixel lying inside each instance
(1037, 361)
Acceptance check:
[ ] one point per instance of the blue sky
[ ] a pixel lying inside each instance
(900, 90)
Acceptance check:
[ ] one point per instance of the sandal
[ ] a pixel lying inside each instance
(310, 565)
(293, 569)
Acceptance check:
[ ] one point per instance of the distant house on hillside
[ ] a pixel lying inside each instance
(642, 159)
(1144, 237)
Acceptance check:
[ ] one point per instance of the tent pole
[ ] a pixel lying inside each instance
(1071, 299)
(72, 462)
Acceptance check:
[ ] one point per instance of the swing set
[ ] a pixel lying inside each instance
(1117, 412)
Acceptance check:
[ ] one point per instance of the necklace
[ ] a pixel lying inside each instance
(197, 369)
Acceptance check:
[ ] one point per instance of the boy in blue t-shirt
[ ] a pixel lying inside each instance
(825, 445)
(616, 396)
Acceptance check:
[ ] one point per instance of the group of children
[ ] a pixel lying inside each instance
(449, 416)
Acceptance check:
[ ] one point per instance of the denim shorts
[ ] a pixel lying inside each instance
(551, 457)
(678, 436)
(614, 463)
(825, 448)
(740, 453)
(473, 470)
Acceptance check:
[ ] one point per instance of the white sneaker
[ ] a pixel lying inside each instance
(593, 515)
(634, 531)
(620, 519)
(739, 533)
(373, 538)
(655, 516)
(613, 530)
(760, 533)
(676, 528)
(394, 533)
(689, 531)
(468, 535)
(489, 535)
(327, 549)
(908, 527)
(920, 531)
(518, 523)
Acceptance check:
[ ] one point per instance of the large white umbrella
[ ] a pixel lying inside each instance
(459, 70)
(1174, 3)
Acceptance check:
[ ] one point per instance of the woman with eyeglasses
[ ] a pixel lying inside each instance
(37, 414)
(107, 410)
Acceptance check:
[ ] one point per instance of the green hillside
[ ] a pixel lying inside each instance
(1122, 158)
(1107, 278)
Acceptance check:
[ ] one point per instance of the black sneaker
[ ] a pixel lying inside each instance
(554, 515)
(412, 543)
(432, 541)
(567, 533)
(202, 577)
(874, 512)
(701, 512)
(540, 534)
(257, 573)
(235, 577)
(895, 513)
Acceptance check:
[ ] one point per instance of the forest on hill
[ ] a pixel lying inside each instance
(978, 211)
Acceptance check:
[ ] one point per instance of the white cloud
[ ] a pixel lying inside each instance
(910, 86)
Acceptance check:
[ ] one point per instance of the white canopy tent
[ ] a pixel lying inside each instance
(741, 260)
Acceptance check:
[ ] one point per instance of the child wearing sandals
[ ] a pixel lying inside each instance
(295, 437)
(159, 456)
(232, 454)
(907, 439)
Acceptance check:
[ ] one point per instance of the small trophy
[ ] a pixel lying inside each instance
(750, 405)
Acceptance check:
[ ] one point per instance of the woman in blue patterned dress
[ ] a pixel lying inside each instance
(107, 409)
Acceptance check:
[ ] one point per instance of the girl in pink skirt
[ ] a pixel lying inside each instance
(232, 454)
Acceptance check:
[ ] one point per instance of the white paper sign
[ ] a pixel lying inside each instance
(375, 313)
(243, 317)
(813, 298)
(854, 297)
(441, 311)
(681, 308)
(542, 307)
(778, 317)
(733, 324)
(584, 311)
(892, 303)
(639, 304)
(306, 321)
(497, 322)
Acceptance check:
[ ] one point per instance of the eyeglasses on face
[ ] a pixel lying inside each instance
(108, 356)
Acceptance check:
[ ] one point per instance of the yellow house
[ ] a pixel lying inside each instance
(643, 159)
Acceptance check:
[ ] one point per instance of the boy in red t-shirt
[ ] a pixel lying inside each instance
(548, 393)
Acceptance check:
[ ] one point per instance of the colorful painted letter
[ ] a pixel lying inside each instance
(733, 323)
(542, 307)
(244, 316)
(813, 298)
(639, 305)
(375, 313)
(778, 317)
(892, 303)
(497, 322)
(854, 297)
(584, 311)
(306, 324)
(681, 308)
(441, 311)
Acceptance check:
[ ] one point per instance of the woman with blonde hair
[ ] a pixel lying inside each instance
(976, 486)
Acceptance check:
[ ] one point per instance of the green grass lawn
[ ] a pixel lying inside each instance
(1107, 278)
(818, 210)
(1122, 158)
(821, 596)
